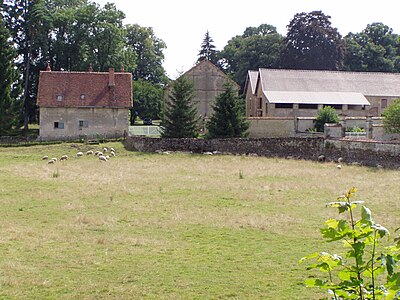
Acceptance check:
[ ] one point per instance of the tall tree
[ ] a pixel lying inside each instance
(228, 118)
(9, 108)
(180, 115)
(29, 22)
(149, 52)
(208, 50)
(312, 43)
(376, 49)
(258, 47)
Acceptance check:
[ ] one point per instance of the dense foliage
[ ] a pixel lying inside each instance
(364, 271)
(180, 115)
(257, 47)
(208, 50)
(228, 118)
(391, 120)
(312, 43)
(148, 99)
(9, 105)
(326, 115)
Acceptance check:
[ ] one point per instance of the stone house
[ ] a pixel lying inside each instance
(89, 104)
(300, 93)
(208, 81)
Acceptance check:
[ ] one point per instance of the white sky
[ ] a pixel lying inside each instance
(182, 24)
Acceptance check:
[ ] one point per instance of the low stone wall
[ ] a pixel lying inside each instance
(360, 152)
(306, 148)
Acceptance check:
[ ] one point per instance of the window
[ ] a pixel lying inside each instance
(284, 105)
(260, 103)
(83, 124)
(308, 106)
(335, 106)
(82, 97)
(59, 125)
(383, 103)
(59, 98)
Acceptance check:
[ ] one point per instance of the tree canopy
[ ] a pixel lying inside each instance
(208, 50)
(312, 43)
(326, 115)
(391, 117)
(257, 47)
(376, 48)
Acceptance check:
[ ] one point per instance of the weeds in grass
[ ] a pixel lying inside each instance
(241, 176)
(56, 174)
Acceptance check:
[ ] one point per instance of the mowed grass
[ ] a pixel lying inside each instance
(178, 226)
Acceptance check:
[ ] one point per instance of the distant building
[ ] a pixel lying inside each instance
(300, 93)
(84, 104)
(208, 81)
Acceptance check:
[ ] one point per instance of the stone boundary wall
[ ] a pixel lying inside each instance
(373, 154)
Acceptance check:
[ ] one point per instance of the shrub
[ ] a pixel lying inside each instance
(326, 115)
(391, 120)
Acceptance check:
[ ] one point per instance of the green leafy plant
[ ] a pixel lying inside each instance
(326, 115)
(391, 120)
(363, 272)
(355, 129)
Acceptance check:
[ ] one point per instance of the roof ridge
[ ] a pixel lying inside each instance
(331, 71)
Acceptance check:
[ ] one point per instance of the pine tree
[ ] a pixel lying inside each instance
(228, 119)
(207, 50)
(180, 116)
(9, 112)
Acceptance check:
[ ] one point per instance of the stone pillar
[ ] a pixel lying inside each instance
(369, 128)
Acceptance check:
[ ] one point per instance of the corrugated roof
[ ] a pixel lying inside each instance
(366, 83)
(316, 97)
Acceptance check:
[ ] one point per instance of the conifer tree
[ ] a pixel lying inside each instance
(228, 119)
(180, 116)
(207, 50)
(9, 112)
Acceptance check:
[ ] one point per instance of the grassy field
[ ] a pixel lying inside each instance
(178, 226)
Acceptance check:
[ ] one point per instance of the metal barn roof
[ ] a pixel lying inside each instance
(339, 98)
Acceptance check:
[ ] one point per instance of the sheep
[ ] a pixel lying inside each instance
(102, 158)
(321, 158)
(108, 157)
(112, 149)
(97, 153)
(339, 167)
(90, 152)
(105, 149)
(46, 157)
(112, 153)
(51, 161)
(54, 159)
(79, 154)
(340, 160)
(64, 157)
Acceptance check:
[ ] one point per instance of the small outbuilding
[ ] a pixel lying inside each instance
(89, 104)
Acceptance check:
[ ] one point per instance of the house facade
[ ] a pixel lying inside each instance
(90, 104)
(208, 81)
(301, 93)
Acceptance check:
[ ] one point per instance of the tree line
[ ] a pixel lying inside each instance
(72, 34)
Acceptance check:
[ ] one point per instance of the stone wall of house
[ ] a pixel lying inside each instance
(361, 152)
(95, 122)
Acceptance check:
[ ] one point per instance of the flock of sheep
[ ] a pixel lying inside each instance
(102, 155)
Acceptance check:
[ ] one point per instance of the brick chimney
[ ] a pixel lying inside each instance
(48, 68)
(111, 77)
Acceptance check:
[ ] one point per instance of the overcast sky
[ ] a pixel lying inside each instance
(182, 24)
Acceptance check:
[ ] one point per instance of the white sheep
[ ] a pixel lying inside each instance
(51, 161)
(54, 159)
(79, 154)
(64, 157)
(105, 149)
(112, 153)
(108, 157)
(112, 149)
(340, 160)
(46, 157)
(339, 167)
(90, 152)
(102, 158)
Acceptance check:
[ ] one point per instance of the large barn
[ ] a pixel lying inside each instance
(300, 93)
(84, 104)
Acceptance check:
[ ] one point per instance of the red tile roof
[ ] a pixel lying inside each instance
(84, 89)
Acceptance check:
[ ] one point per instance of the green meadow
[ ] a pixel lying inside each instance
(177, 226)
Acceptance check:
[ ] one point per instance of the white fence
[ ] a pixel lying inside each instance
(145, 130)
